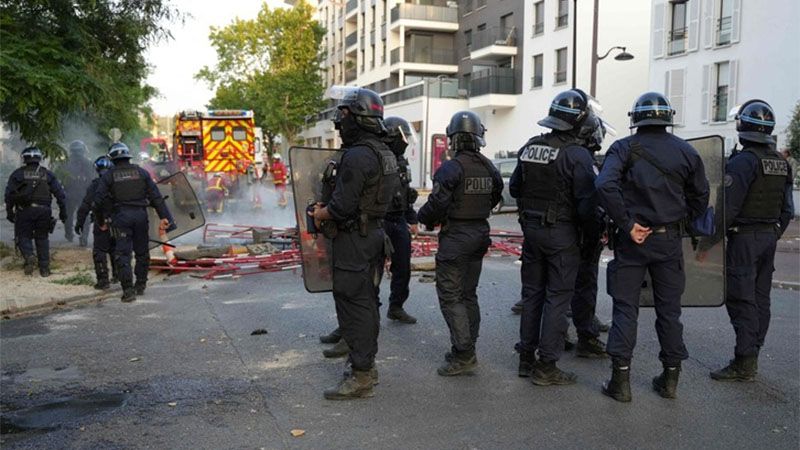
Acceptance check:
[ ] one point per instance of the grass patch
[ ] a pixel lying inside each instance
(79, 279)
(6, 250)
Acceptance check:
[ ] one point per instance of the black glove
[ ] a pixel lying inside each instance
(78, 229)
(11, 216)
(62, 216)
(171, 227)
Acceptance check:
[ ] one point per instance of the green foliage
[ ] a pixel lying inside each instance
(81, 59)
(793, 132)
(79, 279)
(270, 64)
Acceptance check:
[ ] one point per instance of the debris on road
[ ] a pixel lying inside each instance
(298, 432)
(258, 332)
(134, 359)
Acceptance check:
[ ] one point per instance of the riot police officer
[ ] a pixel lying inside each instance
(123, 194)
(366, 178)
(102, 242)
(28, 199)
(77, 178)
(651, 182)
(758, 208)
(465, 189)
(554, 185)
(401, 221)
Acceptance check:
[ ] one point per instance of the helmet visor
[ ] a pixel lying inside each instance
(339, 92)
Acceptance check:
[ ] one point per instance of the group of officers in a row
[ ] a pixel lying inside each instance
(650, 186)
(117, 201)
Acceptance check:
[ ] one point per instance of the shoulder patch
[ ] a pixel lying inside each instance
(728, 180)
(538, 154)
(774, 167)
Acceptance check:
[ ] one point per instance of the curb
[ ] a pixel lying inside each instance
(50, 305)
(789, 285)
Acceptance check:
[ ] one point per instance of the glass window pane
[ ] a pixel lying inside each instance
(217, 134)
(239, 134)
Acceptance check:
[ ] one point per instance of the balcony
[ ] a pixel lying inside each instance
(724, 29)
(350, 8)
(494, 43)
(677, 41)
(436, 88)
(562, 21)
(493, 88)
(404, 93)
(350, 75)
(350, 41)
(428, 60)
(424, 17)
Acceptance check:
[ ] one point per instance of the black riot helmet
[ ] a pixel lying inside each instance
(591, 132)
(466, 132)
(651, 108)
(77, 149)
(399, 134)
(31, 155)
(366, 107)
(102, 163)
(119, 151)
(567, 111)
(755, 121)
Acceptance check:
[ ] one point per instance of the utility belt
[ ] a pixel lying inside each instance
(543, 218)
(362, 225)
(676, 227)
(34, 205)
(753, 227)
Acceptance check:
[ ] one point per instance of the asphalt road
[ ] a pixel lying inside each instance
(179, 369)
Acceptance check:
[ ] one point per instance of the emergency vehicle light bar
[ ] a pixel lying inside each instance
(230, 113)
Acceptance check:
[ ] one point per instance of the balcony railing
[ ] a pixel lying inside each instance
(436, 88)
(724, 29)
(424, 12)
(350, 75)
(677, 41)
(494, 36)
(562, 21)
(351, 39)
(425, 56)
(498, 80)
(538, 28)
(351, 6)
(536, 81)
(560, 76)
(407, 93)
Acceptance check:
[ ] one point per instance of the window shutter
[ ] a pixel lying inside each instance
(733, 67)
(705, 98)
(709, 26)
(736, 20)
(677, 86)
(694, 25)
(659, 10)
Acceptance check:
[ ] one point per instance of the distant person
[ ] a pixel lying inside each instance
(28, 198)
(216, 191)
(278, 171)
(76, 179)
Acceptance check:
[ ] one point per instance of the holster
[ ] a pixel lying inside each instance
(53, 222)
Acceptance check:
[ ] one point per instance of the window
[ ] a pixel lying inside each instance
(725, 22)
(561, 66)
(481, 27)
(538, 69)
(507, 168)
(562, 18)
(677, 32)
(538, 18)
(506, 22)
(720, 113)
(239, 134)
(467, 6)
(218, 134)
(468, 38)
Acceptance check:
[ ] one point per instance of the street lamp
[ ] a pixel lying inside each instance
(622, 56)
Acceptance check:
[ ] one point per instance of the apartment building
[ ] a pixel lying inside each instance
(710, 55)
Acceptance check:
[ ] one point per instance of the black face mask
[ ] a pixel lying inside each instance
(398, 146)
(348, 129)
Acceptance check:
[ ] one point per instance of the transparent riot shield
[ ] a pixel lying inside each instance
(307, 167)
(182, 203)
(704, 257)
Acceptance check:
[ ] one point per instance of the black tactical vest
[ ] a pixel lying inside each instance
(378, 190)
(399, 202)
(37, 190)
(544, 191)
(129, 185)
(765, 197)
(472, 197)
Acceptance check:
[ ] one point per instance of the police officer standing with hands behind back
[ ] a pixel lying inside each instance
(651, 182)
(554, 183)
(124, 193)
(465, 189)
(366, 178)
(28, 199)
(758, 208)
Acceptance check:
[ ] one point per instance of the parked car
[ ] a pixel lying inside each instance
(506, 167)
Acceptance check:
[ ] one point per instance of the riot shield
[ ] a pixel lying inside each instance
(704, 257)
(182, 203)
(307, 168)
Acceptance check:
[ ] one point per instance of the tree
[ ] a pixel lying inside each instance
(270, 64)
(79, 59)
(793, 132)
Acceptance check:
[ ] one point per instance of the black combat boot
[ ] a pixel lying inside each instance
(140, 287)
(128, 294)
(398, 313)
(357, 385)
(526, 363)
(603, 327)
(545, 373)
(457, 365)
(44, 272)
(30, 263)
(332, 338)
(666, 384)
(517, 308)
(741, 368)
(339, 350)
(590, 348)
(619, 386)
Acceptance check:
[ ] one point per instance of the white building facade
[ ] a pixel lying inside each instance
(710, 55)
